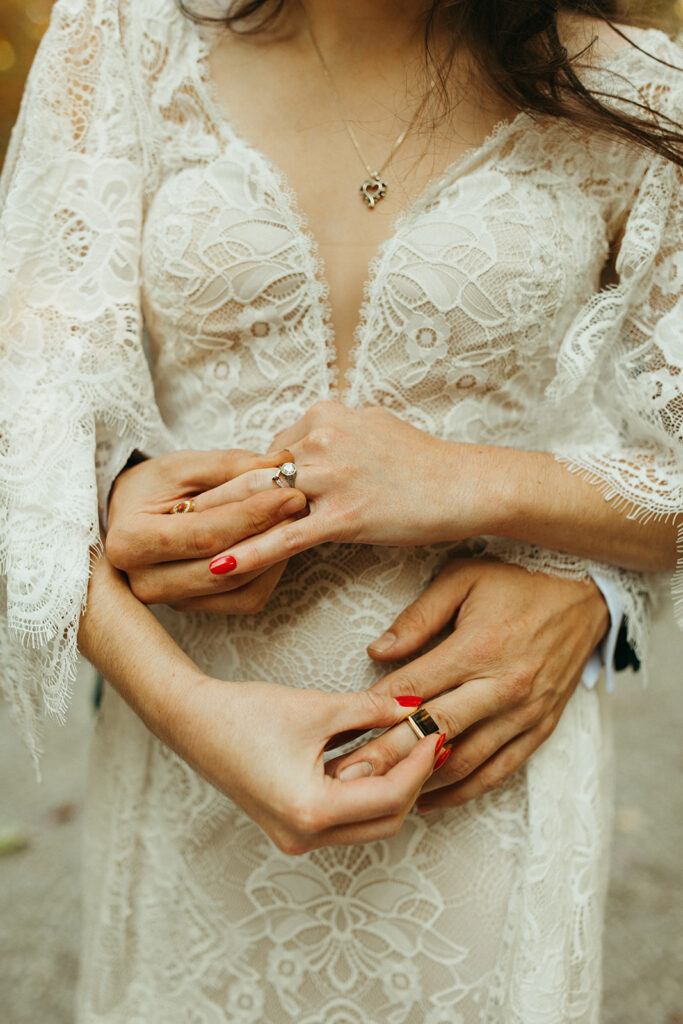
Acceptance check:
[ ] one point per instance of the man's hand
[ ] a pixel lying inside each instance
(166, 557)
(500, 681)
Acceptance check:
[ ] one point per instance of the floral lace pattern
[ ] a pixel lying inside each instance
(483, 321)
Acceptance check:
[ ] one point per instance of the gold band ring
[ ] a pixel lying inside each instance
(183, 506)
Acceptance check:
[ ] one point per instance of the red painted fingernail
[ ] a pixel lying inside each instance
(442, 758)
(408, 702)
(222, 565)
(439, 743)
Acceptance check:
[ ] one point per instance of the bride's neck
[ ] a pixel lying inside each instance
(356, 26)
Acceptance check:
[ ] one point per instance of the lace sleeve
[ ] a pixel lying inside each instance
(621, 364)
(75, 390)
(615, 408)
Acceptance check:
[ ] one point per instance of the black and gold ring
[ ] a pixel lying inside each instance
(422, 723)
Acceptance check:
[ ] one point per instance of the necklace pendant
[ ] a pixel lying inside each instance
(372, 190)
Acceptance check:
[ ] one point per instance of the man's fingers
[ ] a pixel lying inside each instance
(492, 774)
(454, 714)
(474, 748)
(443, 668)
(147, 539)
(425, 617)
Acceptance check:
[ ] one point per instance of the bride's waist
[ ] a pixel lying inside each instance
(330, 604)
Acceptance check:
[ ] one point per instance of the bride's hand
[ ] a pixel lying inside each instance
(262, 744)
(498, 684)
(259, 743)
(369, 478)
(166, 557)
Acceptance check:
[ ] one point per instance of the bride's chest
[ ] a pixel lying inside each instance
(473, 286)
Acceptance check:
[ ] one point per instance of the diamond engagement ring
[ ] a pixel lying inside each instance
(286, 475)
(422, 723)
(183, 506)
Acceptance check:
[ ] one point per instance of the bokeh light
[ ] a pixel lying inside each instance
(21, 28)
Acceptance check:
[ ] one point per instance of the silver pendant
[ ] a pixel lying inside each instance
(373, 189)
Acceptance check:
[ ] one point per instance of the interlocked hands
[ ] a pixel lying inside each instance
(496, 684)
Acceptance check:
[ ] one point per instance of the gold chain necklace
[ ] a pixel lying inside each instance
(374, 187)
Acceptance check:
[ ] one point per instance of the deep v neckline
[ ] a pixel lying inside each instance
(340, 390)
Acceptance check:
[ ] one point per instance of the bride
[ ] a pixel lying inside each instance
(449, 293)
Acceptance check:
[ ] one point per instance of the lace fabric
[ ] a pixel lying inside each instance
(128, 199)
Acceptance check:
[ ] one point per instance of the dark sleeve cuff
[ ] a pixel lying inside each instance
(624, 655)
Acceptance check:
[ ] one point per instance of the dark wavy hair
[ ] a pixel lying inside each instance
(518, 47)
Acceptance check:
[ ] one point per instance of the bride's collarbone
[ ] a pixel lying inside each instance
(276, 97)
(267, 97)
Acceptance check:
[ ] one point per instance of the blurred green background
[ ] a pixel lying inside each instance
(22, 23)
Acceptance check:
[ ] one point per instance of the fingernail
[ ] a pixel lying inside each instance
(383, 643)
(439, 743)
(222, 565)
(425, 808)
(359, 770)
(408, 702)
(442, 758)
(295, 504)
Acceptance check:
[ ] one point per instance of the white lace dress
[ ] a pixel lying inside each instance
(128, 199)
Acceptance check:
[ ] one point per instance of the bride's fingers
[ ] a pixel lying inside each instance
(362, 711)
(362, 832)
(241, 487)
(472, 716)
(181, 588)
(177, 582)
(290, 435)
(378, 797)
(275, 545)
(244, 485)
